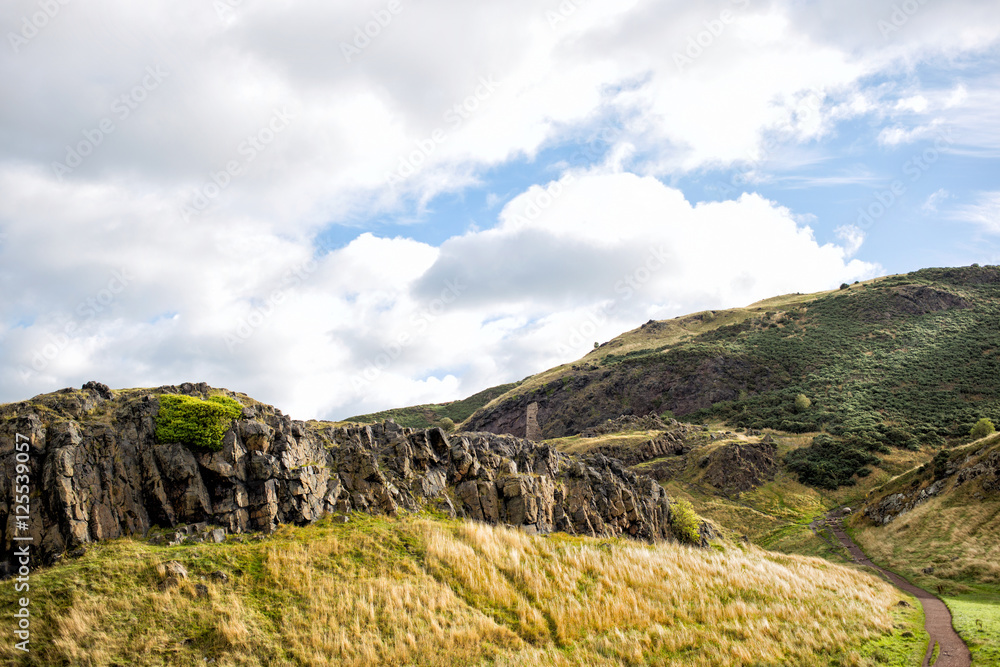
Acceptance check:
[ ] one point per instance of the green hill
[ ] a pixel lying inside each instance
(899, 361)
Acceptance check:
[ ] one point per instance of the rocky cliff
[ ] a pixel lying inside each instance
(96, 471)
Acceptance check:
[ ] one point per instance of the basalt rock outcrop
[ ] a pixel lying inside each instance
(985, 471)
(96, 471)
(741, 467)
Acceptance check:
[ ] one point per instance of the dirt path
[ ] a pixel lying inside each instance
(937, 617)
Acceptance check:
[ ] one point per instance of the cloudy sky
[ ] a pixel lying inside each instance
(345, 207)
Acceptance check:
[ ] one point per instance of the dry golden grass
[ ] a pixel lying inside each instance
(419, 591)
(677, 605)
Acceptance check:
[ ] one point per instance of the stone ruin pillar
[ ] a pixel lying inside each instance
(532, 431)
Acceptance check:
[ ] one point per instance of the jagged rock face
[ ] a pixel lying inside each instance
(987, 471)
(98, 472)
(668, 443)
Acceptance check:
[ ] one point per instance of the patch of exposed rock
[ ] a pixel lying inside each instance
(980, 467)
(668, 443)
(650, 422)
(892, 507)
(97, 472)
(987, 471)
(910, 300)
(740, 467)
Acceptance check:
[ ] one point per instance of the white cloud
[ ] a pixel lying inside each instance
(761, 77)
(915, 104)
(985, 212)
(391, 321)
(935, 198)
(853, 238)
(896, 136)
(957, 97)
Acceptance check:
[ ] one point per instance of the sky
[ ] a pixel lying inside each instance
(339, 208)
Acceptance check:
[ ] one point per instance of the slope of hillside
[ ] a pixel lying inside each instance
(901, 361)
(739, 481)
(430, 415)
(939, 526)
(423, 591)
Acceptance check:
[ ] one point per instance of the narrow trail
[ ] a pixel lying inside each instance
(937, 617)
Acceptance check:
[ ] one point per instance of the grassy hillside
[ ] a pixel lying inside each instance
(666, 332)
(426, 416)
(949, 543)
(423, 591)
(899, 362)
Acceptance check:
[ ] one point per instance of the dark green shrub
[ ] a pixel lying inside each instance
(829, 463)
(899, 437)
(940, 464)
(193, 422)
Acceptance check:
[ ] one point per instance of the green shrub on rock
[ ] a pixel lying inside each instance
(194, 422)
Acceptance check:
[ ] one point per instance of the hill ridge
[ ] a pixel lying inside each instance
(897, 361)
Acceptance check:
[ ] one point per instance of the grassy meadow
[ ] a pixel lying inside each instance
(419, 590)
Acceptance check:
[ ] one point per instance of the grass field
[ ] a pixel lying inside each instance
(976, 616)
(424, 591)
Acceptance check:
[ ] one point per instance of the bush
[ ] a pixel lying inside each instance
(982, 428)
(684, 522)
(447, 425)
(899, 437)
(940, 464)
(829, 464)
(193, 422)
(802, 403)
(844, 285)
